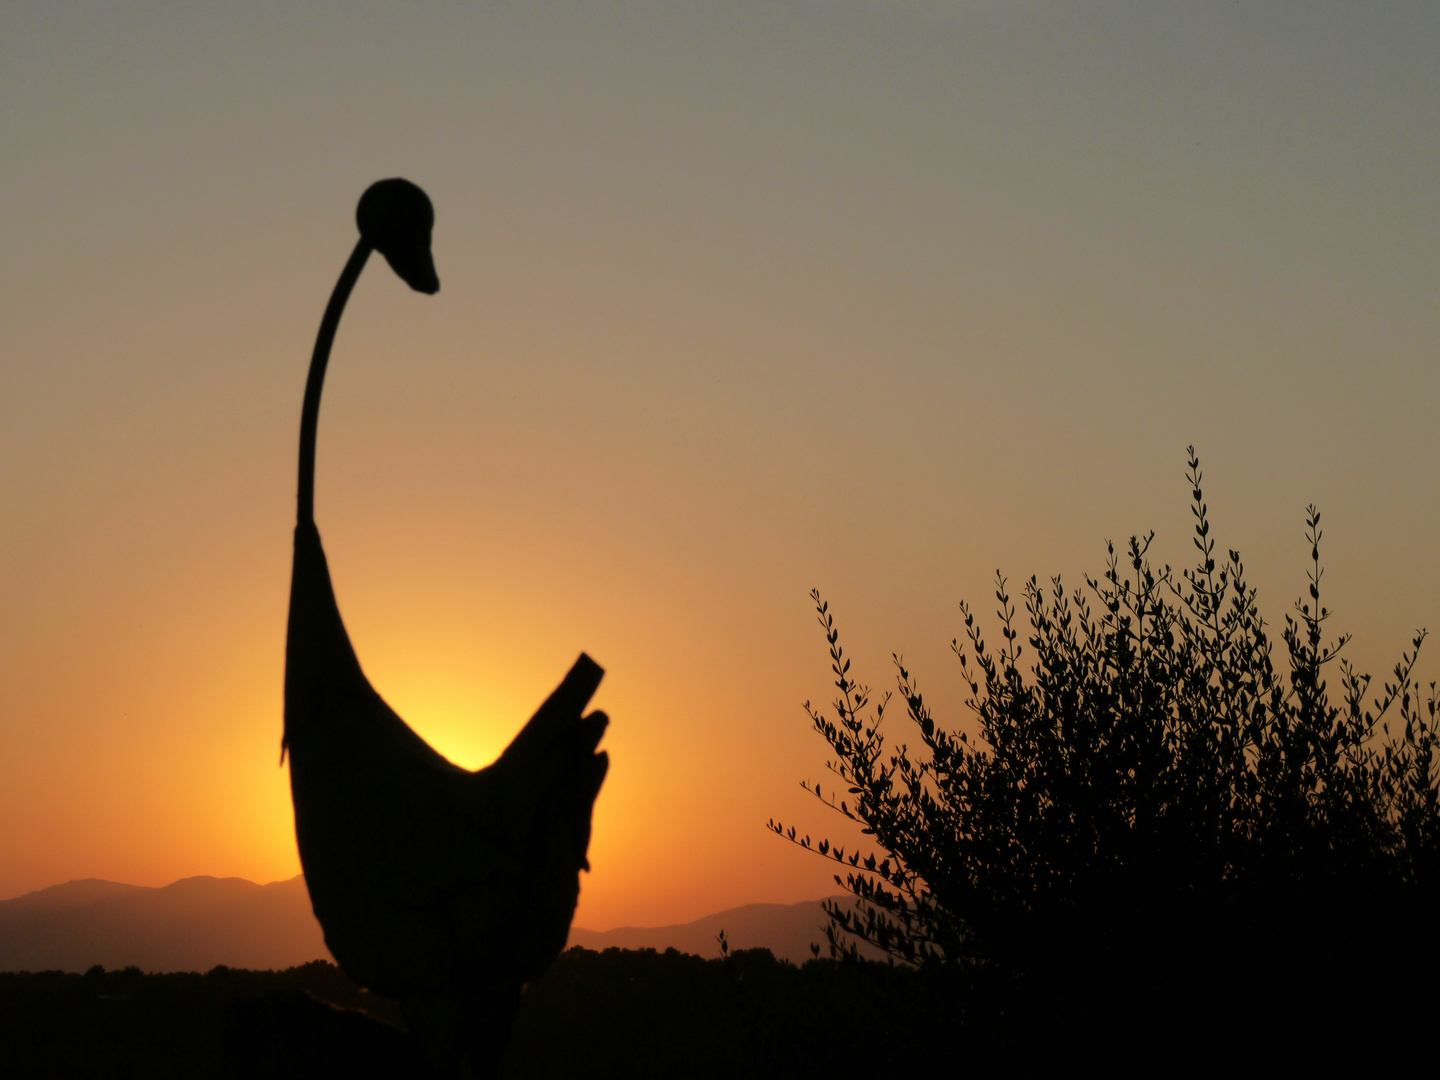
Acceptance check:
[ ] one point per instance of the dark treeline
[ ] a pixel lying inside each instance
(639, 1014)
(619, 1013)
(132, 1024)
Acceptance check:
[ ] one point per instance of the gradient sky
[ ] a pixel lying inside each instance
(737, 299)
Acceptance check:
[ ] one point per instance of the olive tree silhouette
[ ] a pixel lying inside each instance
(1158, 821)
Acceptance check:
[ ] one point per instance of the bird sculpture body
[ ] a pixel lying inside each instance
(440, 887)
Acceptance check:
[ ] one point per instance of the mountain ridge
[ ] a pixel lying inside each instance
(198, 923)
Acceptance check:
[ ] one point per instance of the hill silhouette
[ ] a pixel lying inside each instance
(191, 925)
(200, 922)
(787, 930)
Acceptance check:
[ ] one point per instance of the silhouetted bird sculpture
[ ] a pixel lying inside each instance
(442, 888)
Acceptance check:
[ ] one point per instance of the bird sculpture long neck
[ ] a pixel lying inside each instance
(310, 414)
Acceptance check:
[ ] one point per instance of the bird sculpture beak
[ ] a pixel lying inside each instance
(396, 218)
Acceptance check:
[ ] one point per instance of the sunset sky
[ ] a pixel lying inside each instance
(738, 299)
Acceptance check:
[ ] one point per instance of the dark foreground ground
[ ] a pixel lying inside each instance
(611, 1014)
(644, 1014)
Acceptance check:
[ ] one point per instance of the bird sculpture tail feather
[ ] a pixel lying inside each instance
(555, 720)
(552, 766)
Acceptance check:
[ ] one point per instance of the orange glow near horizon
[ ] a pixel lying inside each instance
(737, 301)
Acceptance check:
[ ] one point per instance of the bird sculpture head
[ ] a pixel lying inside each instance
(395, 218)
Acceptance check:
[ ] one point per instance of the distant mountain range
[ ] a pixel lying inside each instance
(192, 925)
(200, 922)
(787, 930)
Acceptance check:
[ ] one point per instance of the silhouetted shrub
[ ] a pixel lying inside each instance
(1160, 832)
